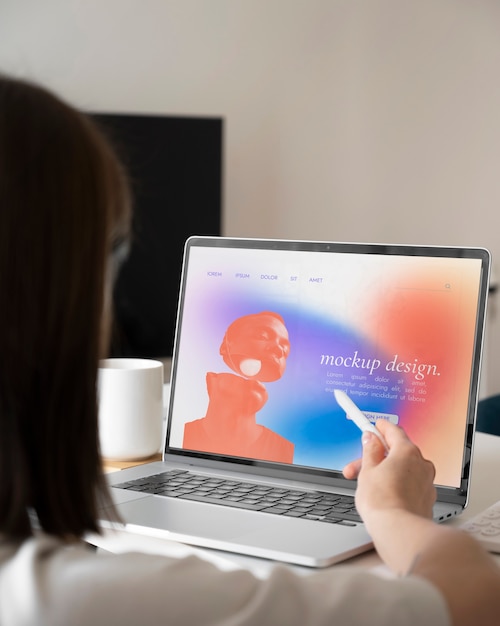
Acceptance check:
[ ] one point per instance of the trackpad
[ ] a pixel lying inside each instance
(182, 517)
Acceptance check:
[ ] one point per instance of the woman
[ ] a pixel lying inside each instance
(64, 220)
(255, 347)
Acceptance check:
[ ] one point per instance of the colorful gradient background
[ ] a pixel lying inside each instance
(417, 310)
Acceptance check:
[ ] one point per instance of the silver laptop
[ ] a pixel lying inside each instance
(266, 331)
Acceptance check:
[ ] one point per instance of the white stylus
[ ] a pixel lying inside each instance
(357, 416)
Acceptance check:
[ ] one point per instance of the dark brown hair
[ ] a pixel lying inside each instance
(64, 207)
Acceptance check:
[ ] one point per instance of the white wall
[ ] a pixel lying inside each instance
(371, 120)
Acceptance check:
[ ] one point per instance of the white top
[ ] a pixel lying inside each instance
(44, 583)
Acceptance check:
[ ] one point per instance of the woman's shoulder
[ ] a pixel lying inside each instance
(46, 581)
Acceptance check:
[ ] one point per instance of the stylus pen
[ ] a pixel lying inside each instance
(357, 416)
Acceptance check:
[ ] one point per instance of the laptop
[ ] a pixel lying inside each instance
(267, 330)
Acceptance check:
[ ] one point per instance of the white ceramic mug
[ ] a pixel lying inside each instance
(130, 393)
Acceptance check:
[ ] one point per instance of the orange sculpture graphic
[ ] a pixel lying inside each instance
(256, 347)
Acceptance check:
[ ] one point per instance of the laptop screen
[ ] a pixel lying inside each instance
(267, 330)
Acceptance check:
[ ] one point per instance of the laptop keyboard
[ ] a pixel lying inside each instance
(312, 505)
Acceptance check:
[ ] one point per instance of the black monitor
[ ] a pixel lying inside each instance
(176, 168)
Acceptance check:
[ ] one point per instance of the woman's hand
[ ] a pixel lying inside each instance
(402, 479)
(394, 497)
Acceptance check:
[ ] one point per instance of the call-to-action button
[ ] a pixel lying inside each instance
(390, 417)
